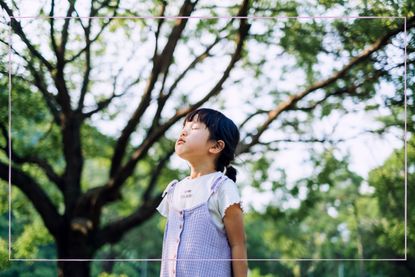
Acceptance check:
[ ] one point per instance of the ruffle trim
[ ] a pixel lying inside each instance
(241, 205)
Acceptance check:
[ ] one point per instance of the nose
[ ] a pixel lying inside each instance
(183, 132)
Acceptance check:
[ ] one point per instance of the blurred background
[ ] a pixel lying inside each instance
(321, 92)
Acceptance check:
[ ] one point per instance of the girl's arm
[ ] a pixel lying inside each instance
(234, 227)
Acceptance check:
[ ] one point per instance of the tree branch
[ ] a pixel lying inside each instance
(87, 32)
(50, 99)
(65, 32)
(94, 12)
(293, 99)
(156, 174)
(242, 35)
(42, 203)
(113, 232)
(52, 27)
(324, 139)
(258, 112)
(351, 90)
(156, 35)
(58, 75)
(40, 83)
(161, 65)
(102, 105)
(162, 99)
(17, 28)
(85, 80)
(43, 164)
(105, 103)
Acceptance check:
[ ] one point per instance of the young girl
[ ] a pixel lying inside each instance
(204, 235)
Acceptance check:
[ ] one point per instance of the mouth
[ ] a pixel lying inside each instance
(180, 141)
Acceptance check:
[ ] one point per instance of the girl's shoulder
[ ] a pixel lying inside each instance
(227, 195)
(228, 186)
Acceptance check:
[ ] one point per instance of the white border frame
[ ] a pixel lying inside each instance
(216, 17)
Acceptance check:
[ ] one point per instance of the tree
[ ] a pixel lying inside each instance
(59, 73)
(389, 182)
(338, 219)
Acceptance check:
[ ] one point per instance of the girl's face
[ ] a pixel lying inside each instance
(193, 142)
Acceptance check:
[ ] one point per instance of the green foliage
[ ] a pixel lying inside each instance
(257, 273)
(339, 220)
(97, 151)
(33, 235)
(141, 243)
(304, 41)
(4, 255)
(104, 274)
(389, 181)
(368, 30)
(260, 168)
(30, 239)
(29, 269)
(33, 131)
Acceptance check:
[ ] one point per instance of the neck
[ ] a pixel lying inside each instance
(201, 169)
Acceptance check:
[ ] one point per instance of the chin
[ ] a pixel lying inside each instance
(178, 153)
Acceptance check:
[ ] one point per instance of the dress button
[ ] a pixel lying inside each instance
(181, 226)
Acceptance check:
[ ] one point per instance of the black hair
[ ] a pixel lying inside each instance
(220, 128)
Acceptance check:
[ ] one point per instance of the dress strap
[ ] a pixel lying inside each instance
(169, 187)
(216, 184)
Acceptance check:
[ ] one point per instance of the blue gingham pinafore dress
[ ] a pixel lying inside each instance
(192, 245)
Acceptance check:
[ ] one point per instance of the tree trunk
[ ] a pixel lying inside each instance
(74, 268)
(75, 245)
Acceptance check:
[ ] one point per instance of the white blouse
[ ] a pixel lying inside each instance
(189, 193)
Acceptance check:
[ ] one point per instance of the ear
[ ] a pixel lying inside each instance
(218, 146)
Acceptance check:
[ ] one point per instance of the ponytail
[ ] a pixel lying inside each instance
(230, 171)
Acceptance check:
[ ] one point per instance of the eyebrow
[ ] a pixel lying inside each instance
(193, 122)
(198, 124)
